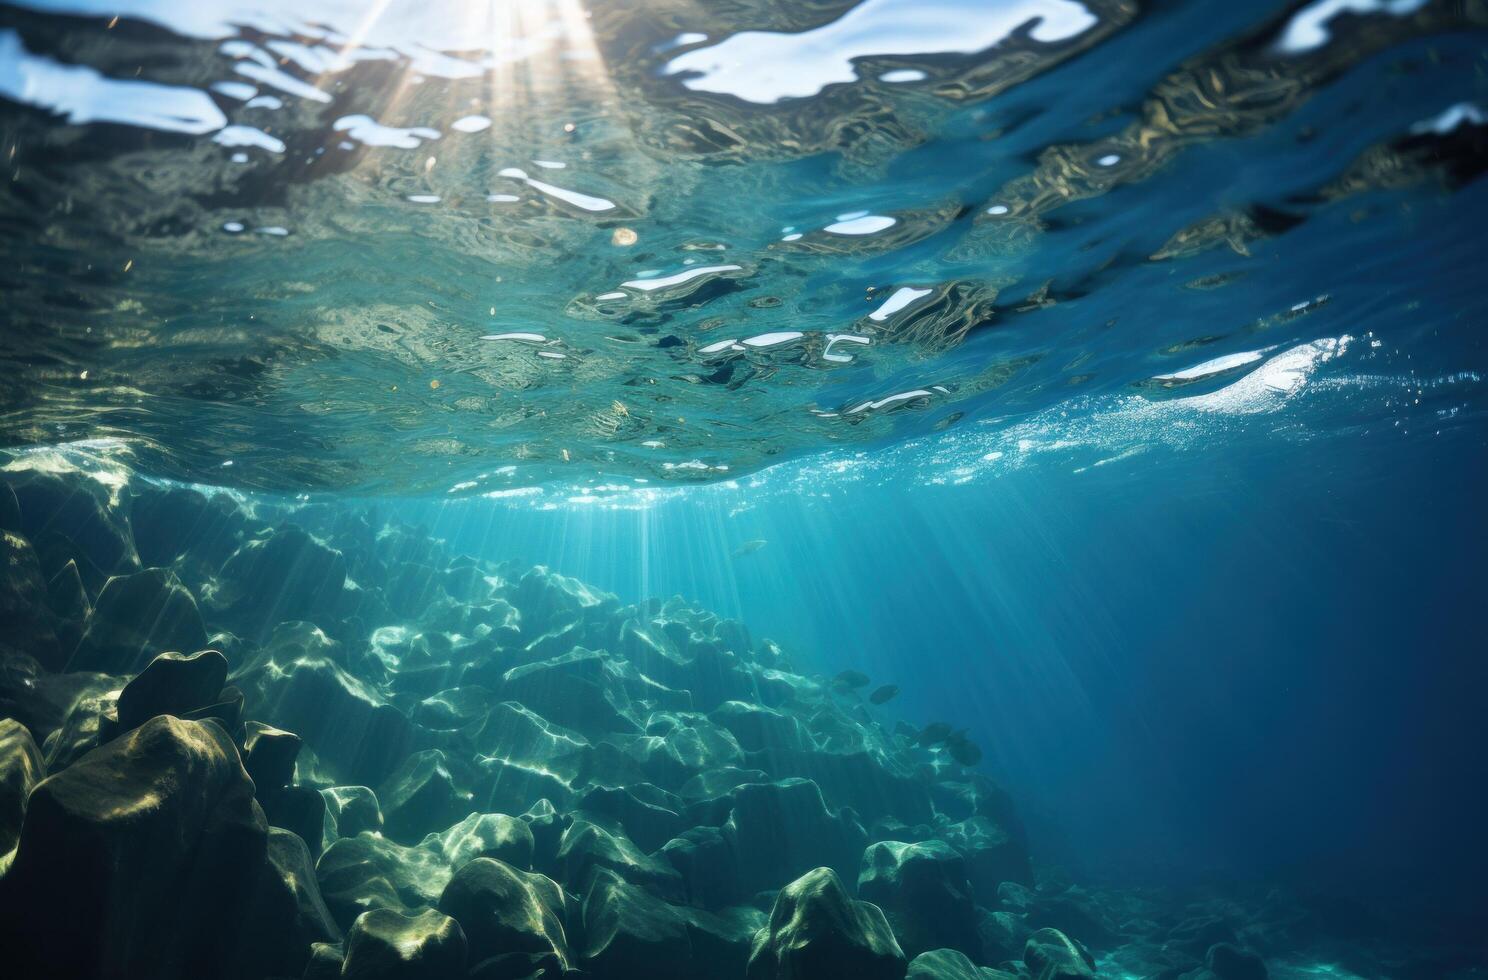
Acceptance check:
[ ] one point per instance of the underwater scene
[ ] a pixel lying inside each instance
(743, 489)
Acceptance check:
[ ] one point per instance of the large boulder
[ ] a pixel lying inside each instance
(505, 910)
(582, 690)
(368, 871)
(269, 756)
(951, 964)
(25, 607)
(781, 830)
(136, 617)
(288, 575)
(818, 932)
(21, 768)
(1051, 955)
(384, 944)
(172, 684)
(650, 822)
(587, 847)
(993, 853)
(69, 515)
(922, 889)
(351, 726)
(761, 729)
(287, 904)
(1229, 962)
(629, 932)
(72, 606)
(492, 835)
(421, 796)
(349, 810)
(145, 855)
(173, 522)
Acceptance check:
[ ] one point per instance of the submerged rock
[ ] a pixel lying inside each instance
(368, 871)
(136, 617)
(923, 891)
(630, 932)
(172, 684)
(816, 930)
(351, 810)
(350, 724)
(781, 830)
(505, 910)
(70, 602)
(21, 768)
(1229, 962)
(25, 608)
(1051, 955)
(422, 794)
(951, 964)
(145, 854)
(384, 944)
(70, 516)
(287, 575)
(492, 835)
(270, 756)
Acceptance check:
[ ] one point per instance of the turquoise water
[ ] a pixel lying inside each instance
(1106, 377)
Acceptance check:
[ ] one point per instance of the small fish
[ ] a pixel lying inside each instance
(884, 694)
(749, 547)
(850, 680)
(934, 733)
(963, 750)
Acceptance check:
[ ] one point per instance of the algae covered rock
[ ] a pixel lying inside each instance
(144, 854)
(384, 944)
(817, 931)
(923, 891)
(505, 910)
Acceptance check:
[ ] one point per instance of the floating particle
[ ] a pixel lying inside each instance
(129, 265)
(623, 237)
(434, 383)
(568, 127)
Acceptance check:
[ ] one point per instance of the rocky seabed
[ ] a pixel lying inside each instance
(248, 739)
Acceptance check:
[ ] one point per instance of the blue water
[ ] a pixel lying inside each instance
(1111, 381)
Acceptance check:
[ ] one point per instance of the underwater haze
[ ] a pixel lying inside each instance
(743, 489)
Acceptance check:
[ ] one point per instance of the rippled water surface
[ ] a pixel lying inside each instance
(481, 246)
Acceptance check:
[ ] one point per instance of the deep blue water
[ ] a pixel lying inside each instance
(1247, 659)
